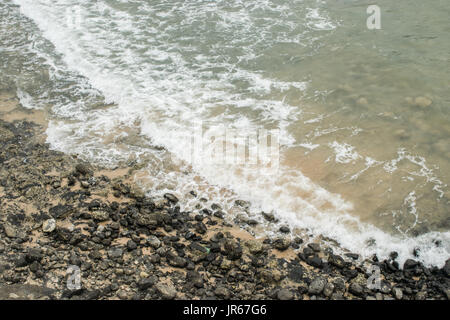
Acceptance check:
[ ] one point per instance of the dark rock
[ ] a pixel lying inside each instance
(131, 245)
(176, 261)
(171, 197)
(146, 283)
(315, 261)
(354, 256)
(393, 255)
(268, 216)
(115, 253)
(34, 254)
(410, 264)
(296, 274)
(285, 294)
(336, 261)
(314, 246)
(60, 211)
(446, 268)
(232, 250)
(356, 289)
(285, 229)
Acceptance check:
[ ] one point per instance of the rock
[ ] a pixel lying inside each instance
(83, 169)
(232, 250)
(339, 284)
(393, 255)
(166, 290)
(154, 242)
(176, 261)
(285, 294)
(281, 244)
(353, 256)
(195, 278)
(317, 286)
(201, 228)
(397, 293)
(100, 215)
(446, 268)
(328, 290)
(285, 229)
(422, 102)
(49, 225)
(115, 253)
(34, 254)
(254, 246)
(268, 216)
(131, 245)
(336, 261)
(171, 197)
(222, 293)
(242, 204)
(146, 283)
(409, 264)
(315, 262)
(356, 289)
(123, 295)
(314, 246)
(60, 211)
(10, 231)
(421, 295)
(296, 274)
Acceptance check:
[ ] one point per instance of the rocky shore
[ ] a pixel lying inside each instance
(59, 214)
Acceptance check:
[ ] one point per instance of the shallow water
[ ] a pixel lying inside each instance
(363, 115)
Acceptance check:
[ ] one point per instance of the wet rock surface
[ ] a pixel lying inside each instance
(68, 230)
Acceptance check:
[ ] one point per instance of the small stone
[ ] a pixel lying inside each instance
(176, 261)
(146, 283)
(285, 294)
(284, 229)
(154, 242)
(222, 293)
(115, 253)
(409, 264)
(49, 225)
(131, 245)
(422, 102)
(446, 268)
(328, 290)
(268, 216)
(317, 285)
(166, 290)
(314, 246)
(83, 169)
(254, 246)
(356, 289)
(281, 244)
(171, 197)
(100, 215)
(10, 231)
(398, 294)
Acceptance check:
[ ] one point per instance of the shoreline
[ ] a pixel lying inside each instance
(59, 212)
